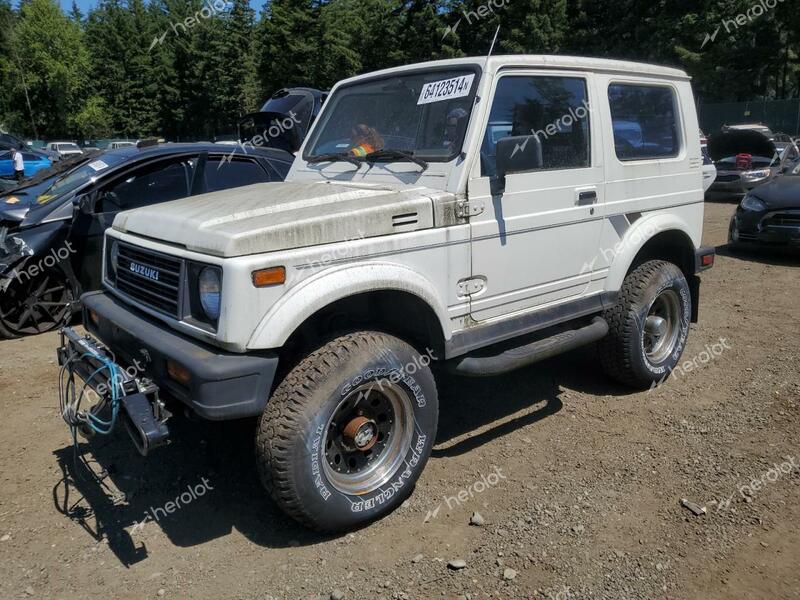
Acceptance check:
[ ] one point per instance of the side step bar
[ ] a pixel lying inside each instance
(522, 356)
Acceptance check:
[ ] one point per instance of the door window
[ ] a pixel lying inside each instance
(555, 110)
(236, 173)
(151, 184)
(645, 121)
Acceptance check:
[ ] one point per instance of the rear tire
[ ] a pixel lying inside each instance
(346, 434)
(648, 325)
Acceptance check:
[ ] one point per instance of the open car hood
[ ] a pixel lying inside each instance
(742, 141)
(267, 217)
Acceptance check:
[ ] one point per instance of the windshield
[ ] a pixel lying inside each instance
(423, 113)
(68, 147)
(78, 176)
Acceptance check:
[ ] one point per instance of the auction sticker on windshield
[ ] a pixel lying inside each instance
(446, 89)
(98, 165)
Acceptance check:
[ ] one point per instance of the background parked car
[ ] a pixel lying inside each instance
(769, 215)
(744, 158)
(116, 144)
(61, 150)
(68, 218)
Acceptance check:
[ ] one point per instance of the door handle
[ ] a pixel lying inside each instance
(587, 197)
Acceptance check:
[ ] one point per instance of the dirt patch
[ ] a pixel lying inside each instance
(584, 501)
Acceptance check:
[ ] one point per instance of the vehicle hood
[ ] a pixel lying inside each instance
(781, 192)
(282, 215)
(744, 141)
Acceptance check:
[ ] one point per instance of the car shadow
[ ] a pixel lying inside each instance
(765, 255)
(209, 475)
(532, 394)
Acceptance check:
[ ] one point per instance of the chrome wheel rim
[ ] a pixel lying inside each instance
(661, 327)
(367, 437)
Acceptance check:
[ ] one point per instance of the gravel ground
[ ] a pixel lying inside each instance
(577, 483)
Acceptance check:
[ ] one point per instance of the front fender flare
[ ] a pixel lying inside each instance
(331, 285)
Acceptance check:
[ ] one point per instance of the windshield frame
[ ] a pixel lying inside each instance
(332, 100)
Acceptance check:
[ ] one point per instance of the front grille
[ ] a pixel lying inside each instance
(788, 219)
(728, 178)
(152, 278)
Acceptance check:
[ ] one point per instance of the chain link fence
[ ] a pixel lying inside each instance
(779, 115)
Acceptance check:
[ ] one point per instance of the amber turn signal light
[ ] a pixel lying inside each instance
(267, 277)
(178, 372)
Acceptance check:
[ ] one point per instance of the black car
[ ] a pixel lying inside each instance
(284, 120)
(51, 238)
(769, 215)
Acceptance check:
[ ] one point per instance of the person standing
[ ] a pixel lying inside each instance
(19, 164)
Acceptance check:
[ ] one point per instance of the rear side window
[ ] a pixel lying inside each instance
(645, 121)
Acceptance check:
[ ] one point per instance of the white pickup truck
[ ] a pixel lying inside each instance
(479, 214)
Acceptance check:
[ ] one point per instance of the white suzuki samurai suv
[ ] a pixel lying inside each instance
(477, 213)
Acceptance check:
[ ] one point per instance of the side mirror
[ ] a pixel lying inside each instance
(516, 154)
(87, 204)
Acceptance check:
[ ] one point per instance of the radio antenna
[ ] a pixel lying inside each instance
(497, 31)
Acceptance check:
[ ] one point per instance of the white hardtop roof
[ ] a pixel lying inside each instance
(495, 63)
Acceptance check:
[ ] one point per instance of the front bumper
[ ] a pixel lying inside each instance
(220, 385)
(762, 228)
(733, 189)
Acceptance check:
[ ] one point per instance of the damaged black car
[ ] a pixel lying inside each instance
(768, 215)
(51, 232)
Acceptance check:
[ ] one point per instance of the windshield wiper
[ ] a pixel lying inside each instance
(389, 155)
(336, 157)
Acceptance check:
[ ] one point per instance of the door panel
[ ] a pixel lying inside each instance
(535, 241)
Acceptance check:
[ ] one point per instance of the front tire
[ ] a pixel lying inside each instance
(346, 434)
(35, 304)
(648, 325)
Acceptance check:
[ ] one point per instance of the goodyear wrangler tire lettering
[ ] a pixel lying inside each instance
(648, 326)
(347, 433)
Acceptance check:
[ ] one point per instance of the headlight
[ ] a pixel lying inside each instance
(752, 203)
(210, 289)
(114, 256)
(753, 175)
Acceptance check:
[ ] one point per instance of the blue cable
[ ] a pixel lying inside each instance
(97, 424)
